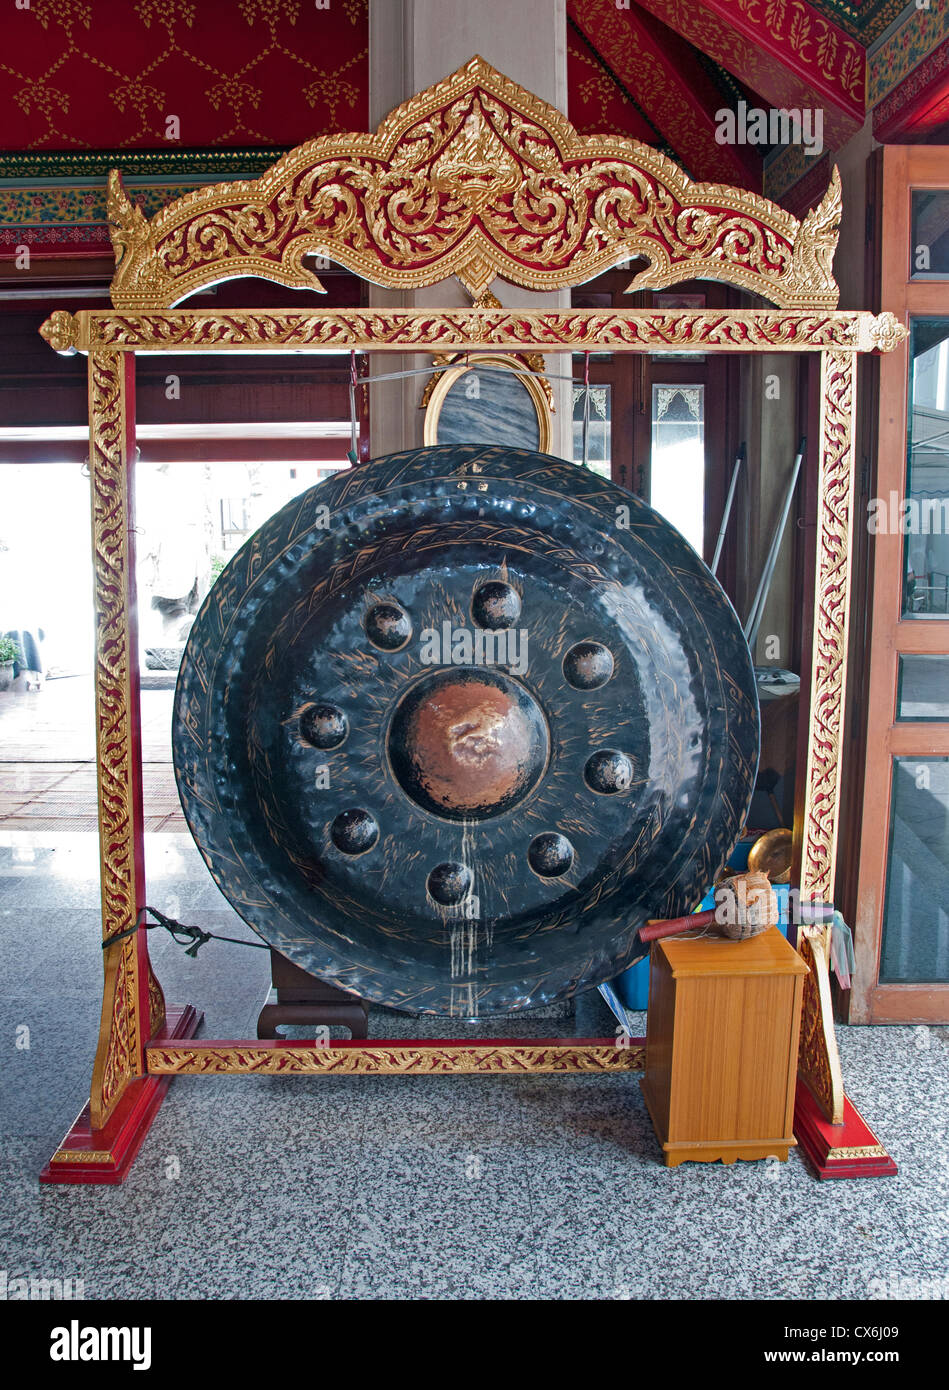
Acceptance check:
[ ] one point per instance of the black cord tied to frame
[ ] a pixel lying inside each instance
(180, 932)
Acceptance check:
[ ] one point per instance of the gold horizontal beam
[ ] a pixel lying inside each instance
(398, 1059)
(469, 330)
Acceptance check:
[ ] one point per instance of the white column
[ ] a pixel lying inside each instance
(412, 45)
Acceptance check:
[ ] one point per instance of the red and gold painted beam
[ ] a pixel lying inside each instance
(413, 1057)
(676, 93)
(596, 101)
(919, 105)
(786, 51)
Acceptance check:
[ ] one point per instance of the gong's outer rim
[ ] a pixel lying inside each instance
(616, 946)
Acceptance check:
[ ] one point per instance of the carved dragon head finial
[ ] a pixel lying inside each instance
(816, 243)
(128, 226)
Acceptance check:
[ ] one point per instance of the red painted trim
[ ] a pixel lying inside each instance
(672, 87)
(817, 1140)
(790, 55)
(125, 1132)
(373, 1044)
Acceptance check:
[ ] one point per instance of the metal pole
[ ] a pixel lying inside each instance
(353, 422)
(586, 407)
(767, 574)
(739, 460)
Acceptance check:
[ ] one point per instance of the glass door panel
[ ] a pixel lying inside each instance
(923, 516)
(677, 469)
(598, 414)
(916, 915)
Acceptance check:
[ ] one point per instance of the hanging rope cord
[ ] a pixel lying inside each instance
(180, 932)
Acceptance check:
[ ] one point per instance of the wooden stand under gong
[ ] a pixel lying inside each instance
(307, 1002)
(596, 201)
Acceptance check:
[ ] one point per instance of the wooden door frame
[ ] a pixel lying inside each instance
(896, 171)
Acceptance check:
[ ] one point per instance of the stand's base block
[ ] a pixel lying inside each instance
(850, 1150)
(714, 1150)
(674, 1154)
(304, 1000)
(105, 1155)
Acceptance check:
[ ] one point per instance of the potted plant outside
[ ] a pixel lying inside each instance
(9, 653)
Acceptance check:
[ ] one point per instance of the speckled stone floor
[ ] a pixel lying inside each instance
(416, 1187)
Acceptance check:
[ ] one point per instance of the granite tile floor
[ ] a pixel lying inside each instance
(416, 1187)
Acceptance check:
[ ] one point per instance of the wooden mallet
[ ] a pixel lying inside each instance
(745, 906)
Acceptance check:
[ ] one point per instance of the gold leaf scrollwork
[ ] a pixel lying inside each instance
(886, 332)
(120, 1037)
(818, 1058)
(475, 177)
(393, 1059)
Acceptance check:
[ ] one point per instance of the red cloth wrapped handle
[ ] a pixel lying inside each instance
(674, 926)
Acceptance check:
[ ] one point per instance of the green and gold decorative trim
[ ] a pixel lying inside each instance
(904, 50)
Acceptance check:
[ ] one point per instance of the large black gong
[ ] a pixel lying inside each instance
(453, 724)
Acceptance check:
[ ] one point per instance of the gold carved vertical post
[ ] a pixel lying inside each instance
(132, 1003)
(819, 1058)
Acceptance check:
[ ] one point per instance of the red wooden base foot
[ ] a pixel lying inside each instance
(105, 1155)
(850, 1150)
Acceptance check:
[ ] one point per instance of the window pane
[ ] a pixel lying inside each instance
(916, 916)
(923, 688)
(929, 253)
(192, 519)
(598, 412)
(677, 469)
(923, 516)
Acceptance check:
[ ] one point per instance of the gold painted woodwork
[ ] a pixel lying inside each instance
(857, 1151)
(121, 1035)
(475, 177)
(82, 1156)
(819, 1058)
(473, 330)
(818, 1055)
(722, 1046)
(393, 1059)
(831, 622)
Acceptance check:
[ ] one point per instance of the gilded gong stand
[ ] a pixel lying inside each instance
(475, 178)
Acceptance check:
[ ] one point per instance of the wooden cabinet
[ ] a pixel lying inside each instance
(721, 1046)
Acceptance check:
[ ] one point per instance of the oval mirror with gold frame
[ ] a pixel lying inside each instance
(504, 405)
